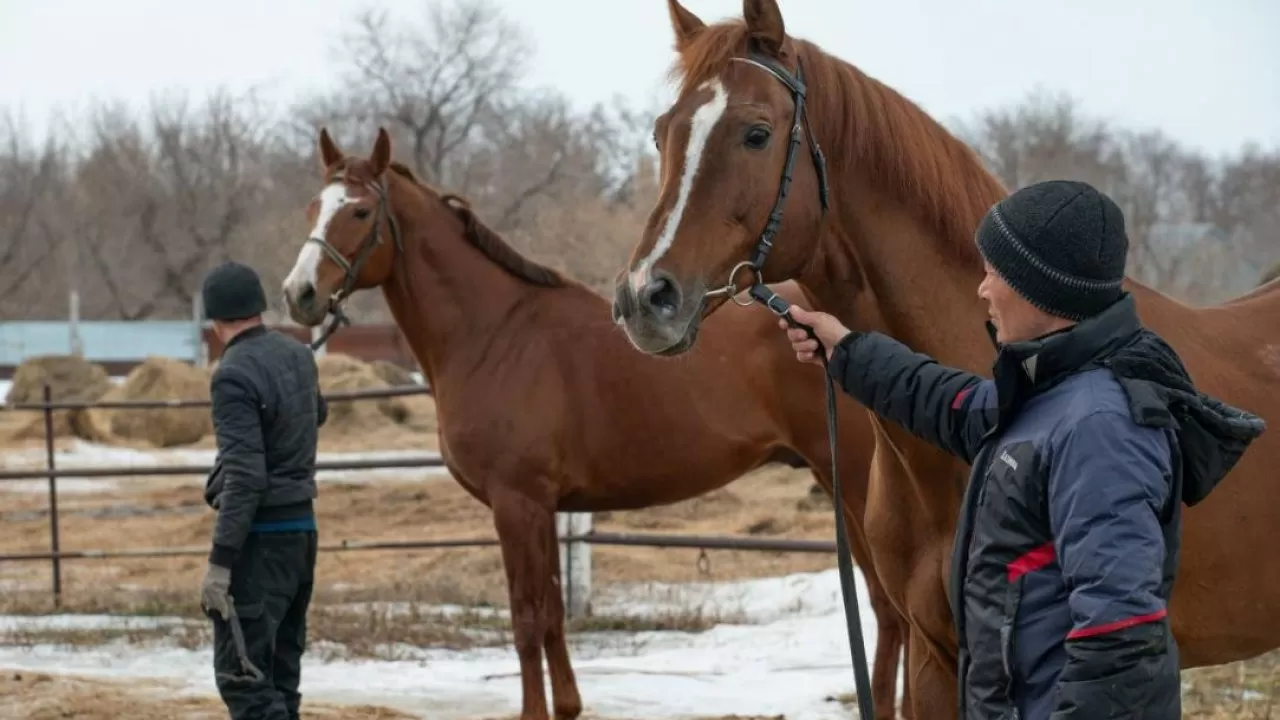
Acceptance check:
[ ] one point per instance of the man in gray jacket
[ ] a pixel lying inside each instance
(266, 416)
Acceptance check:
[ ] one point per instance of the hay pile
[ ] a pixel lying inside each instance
(71, 378)
(158, 378)
(392, 374)
(354, 418)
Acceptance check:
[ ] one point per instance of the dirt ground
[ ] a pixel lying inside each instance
(772, 502)
(170, 513)
(37, 696)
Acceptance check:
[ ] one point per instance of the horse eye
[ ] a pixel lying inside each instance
(757, 137)
(655, 140)
(361, 213)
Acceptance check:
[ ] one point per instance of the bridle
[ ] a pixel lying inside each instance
(799, 121)
(758, 292)
(365, 250)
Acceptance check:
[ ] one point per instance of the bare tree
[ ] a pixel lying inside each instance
(1197, 228)
(31, 180)
(157, 203)
(433, 81)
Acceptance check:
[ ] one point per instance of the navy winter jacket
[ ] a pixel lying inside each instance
(1082, 445)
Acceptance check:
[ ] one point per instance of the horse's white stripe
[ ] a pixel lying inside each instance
(704, 120)
(332, 199)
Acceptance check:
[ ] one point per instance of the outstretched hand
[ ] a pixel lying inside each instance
(826, 327)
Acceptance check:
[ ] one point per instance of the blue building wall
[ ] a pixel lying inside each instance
(101, 341)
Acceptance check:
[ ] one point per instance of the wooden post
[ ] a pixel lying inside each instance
(200, 352)
(73, 324)
(575, 564)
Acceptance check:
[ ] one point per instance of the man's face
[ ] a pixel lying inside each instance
(1015, 319)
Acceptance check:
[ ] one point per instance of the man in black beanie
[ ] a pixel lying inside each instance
(266, 413)
(1084, 447)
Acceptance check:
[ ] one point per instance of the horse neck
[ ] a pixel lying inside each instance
(887, 262)
(447, 297)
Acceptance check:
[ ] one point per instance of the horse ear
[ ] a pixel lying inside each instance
(685, 24)
(329, 152)
(764, 22)
(380, 158)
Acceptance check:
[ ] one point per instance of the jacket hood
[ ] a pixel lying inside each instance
(1212, 435)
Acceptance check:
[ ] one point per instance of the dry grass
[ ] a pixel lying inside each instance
(39, 696)
(1247, 690)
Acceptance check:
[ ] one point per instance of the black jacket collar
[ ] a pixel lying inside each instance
(254, 331)
(1049, 359)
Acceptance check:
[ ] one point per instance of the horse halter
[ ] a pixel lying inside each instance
(352, 269)
(765, 244)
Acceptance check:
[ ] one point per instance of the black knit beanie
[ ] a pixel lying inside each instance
(1060, 244)
(232, 291)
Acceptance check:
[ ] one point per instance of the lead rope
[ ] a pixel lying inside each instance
(762, 294)
(249, 672)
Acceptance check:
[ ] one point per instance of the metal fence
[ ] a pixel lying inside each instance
(52, 474)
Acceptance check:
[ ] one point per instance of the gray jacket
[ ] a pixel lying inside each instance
(267, 411)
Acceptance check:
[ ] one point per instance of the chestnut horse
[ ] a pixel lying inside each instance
(543, 406)
(891, 248)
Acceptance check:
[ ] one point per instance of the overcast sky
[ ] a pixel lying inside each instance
(1206, 73)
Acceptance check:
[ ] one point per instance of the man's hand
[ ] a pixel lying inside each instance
(828, 329)
(214, 594)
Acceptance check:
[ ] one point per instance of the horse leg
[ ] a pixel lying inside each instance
(564, 686)
(517, 518)
(933, 683)
(889, 644)
(904, 630)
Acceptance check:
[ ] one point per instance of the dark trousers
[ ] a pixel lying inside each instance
(271, 585)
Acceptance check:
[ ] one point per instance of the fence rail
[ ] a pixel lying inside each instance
(576, 565)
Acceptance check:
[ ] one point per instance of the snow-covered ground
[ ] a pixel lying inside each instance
(82, 454)
(790, 656)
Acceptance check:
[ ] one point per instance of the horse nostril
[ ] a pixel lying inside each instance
(663, 296)
(307, 296)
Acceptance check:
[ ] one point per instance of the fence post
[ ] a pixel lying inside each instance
(575, 564)
(51, 465)
(316, 332)
(73, 324)
(199, 353)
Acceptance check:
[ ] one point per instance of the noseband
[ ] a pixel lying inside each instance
(352, 268)
(800, 118)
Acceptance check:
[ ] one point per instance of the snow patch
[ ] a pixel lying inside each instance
(788, 660)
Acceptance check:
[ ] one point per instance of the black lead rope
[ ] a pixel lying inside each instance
(762, 294)
(249, 673)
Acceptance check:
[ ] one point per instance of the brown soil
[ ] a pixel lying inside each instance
(38, 696)
(28, 695)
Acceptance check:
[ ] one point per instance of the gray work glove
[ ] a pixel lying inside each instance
(214, 594)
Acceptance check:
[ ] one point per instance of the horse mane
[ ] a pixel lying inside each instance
(885, 135)
(485, 239)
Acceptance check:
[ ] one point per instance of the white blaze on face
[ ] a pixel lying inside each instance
(332, 199)
(704, 120)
